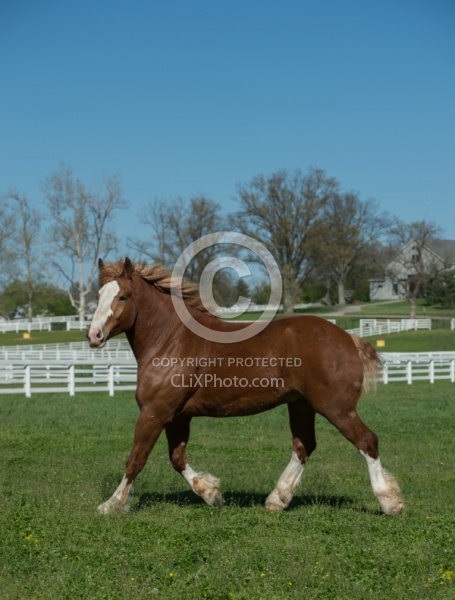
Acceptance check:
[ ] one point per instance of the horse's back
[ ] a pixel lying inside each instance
(329, 359)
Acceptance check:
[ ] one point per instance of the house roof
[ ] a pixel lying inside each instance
(444, 249)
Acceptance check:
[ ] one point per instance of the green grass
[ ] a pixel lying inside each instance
(398, 309)
(438, 340)
(402, 309)
(62, 456)
(58, 336)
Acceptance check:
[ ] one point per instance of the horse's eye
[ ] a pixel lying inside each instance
(122, 298)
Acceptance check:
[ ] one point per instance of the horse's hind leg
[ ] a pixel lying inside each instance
(203, 484)
(384, 485)
(301, 421)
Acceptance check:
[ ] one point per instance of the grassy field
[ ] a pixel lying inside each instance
(386, 309)
(62, 456)
(11, 338)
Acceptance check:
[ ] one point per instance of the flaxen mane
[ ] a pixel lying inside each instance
(158, 276)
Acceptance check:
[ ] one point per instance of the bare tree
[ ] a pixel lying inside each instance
(25, 241)
(80, 231)
(8, 227)
(175, 225)
(410, 259)
(283, 211)
(343, 237)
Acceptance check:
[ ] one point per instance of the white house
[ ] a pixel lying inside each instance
(436, 257)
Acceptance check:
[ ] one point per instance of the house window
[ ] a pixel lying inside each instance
(395, 289)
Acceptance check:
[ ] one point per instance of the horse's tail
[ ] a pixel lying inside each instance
(371, 362)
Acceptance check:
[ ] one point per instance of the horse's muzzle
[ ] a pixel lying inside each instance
(95, 337)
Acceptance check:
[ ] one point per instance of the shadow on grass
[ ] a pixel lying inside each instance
(240, 499)
(249, 500)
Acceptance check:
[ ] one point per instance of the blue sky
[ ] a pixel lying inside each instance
(182, 98)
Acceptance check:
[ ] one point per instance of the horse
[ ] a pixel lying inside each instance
(304, 361)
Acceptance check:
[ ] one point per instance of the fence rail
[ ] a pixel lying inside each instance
(75, 368)
(367, 326)
(373, 327)
(33, 376)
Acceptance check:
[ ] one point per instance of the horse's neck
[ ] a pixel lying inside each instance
(158, 328)
(155, 322)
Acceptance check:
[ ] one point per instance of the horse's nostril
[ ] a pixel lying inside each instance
(95, 336)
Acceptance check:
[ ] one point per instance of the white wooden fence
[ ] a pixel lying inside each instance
(84, 373)
(417, 366)
(75, 368)
(43, 324)
(367, 326)
(373, 327)
(118, 350)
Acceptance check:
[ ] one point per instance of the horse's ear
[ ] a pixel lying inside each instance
(128, 268)
(100, 264)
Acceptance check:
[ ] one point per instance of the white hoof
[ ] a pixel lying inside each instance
(277, 502)
(207, 487)
(113, 506)
(390, 499)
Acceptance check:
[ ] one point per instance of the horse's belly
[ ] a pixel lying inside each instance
(215, 405)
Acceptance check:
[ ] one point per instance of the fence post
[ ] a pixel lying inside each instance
(385, 373)
(71, 380)
(111, 380)
(452, 370)
(409, 371)
(27, 381)
(431, 369)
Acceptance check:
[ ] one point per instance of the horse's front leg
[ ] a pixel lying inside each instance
(148, 429)
(203, 484)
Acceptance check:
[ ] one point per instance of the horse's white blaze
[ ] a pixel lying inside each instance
(103, 311)
(286, 485)
(385, 486)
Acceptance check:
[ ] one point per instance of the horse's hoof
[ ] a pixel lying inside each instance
(392, 509)
(217, 500)
(112, 506)
(390, 499)
(275, 501)
(104, 508)
(273, 507)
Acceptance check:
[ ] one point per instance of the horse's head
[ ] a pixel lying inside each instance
(115, 312)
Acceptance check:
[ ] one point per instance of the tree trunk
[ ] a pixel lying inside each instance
(288, 304)
(290, 290)
(341, 298)
(81, 292)
(30, 305)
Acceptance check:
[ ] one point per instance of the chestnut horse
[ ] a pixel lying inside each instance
(306, 362)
